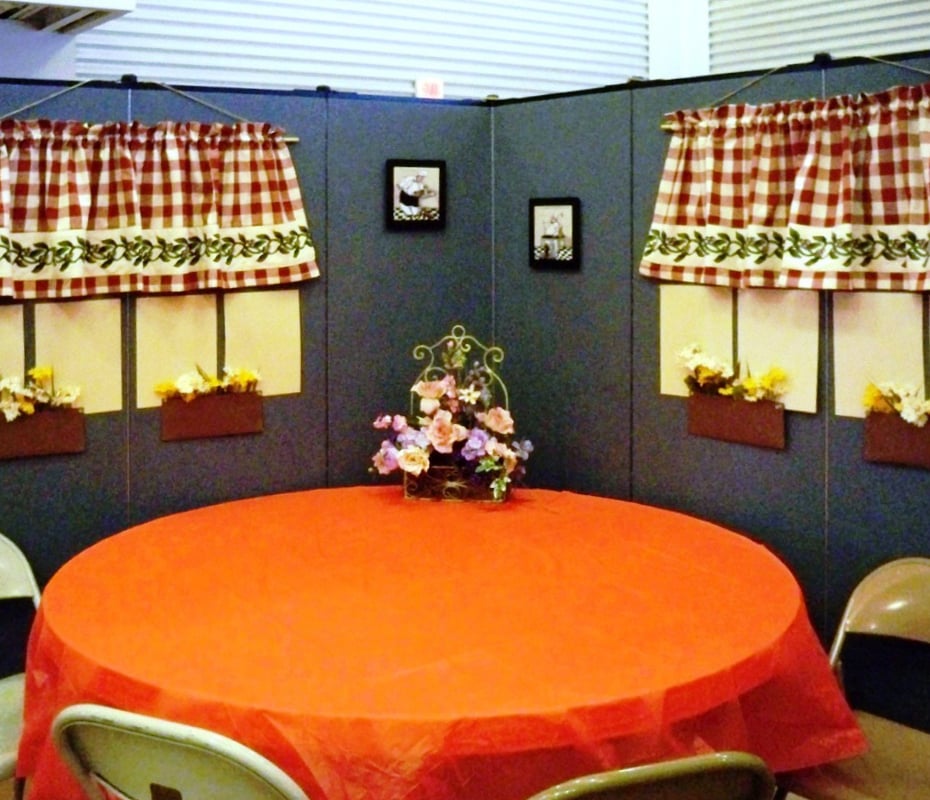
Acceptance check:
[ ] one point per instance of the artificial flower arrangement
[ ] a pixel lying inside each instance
(461, 433)
(896, 430)
(198, 405)
(721, 405)
(905, 400)
(709, 375)
(191, 385)
(38, 393)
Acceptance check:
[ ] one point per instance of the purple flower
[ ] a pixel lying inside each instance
(385, 460)
(523, 449)
(412, 437)
(475, 445)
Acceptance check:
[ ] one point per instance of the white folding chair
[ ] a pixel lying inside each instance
(119, 755)
(729, 775)
(891, 601)
(17, 581)
(16, 576)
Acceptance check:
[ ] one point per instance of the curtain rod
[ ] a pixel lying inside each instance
(129, 81)
(820, 59)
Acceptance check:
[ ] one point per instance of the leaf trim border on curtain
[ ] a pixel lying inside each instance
(759, 248)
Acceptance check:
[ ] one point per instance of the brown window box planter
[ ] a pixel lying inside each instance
(211, 415)
(891, 440)
(47, 432)
(760, 424)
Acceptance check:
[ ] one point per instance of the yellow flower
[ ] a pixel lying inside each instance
(41, 374)
(241, 380)
(705, 375)
(166, 389)
(874, 400)
(773, 380)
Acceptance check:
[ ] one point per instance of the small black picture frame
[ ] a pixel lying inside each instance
(555, 233)
(415, 194)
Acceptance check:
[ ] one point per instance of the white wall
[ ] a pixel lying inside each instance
(26, 53)
(764, 34)
(678, 43)
(475, 47)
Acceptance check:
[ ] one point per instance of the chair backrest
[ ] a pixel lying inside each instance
(119, 754)
(892, 600)
(16, 576)
(713, 776)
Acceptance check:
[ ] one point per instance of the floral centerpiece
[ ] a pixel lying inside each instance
(198, 404)
(459, 441)
(723, 405)
(896, 428)
(38, 393)
(39, 418)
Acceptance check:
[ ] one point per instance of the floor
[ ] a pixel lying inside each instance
(6, 790)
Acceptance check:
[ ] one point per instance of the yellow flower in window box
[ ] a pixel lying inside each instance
(198, 405)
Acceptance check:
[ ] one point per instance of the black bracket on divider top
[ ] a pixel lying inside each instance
(822, 59)
(129, 80)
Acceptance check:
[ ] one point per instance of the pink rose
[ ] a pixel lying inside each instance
(498, 420)
(431, 389)
(443, 433)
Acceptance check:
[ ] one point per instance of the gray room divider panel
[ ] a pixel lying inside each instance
(568, 332)
(389, 290)
(55, 506)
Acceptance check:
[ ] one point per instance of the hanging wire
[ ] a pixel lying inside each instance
(819, 58)
(45, 99)
(667, 126)
(745, 86)
(898, 64)
(130, 81)
(211, 106)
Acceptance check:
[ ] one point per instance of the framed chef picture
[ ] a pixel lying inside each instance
(415, 194)
(555, 233)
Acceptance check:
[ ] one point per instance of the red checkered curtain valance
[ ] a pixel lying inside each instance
(812, 194)
(127, 207)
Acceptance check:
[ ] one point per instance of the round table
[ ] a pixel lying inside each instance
(377, 647)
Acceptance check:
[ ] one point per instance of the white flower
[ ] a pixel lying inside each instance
(192, 383)
(694, 359)
(66, 396)
(907, 400)
(470, 394)
(10, 408)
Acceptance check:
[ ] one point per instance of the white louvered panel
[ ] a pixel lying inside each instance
(482, 47)
(764, 34)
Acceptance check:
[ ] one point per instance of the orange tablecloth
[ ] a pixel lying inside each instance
(376, 647)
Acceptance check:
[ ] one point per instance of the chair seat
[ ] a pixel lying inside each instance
(11, 722)
(896, 767)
